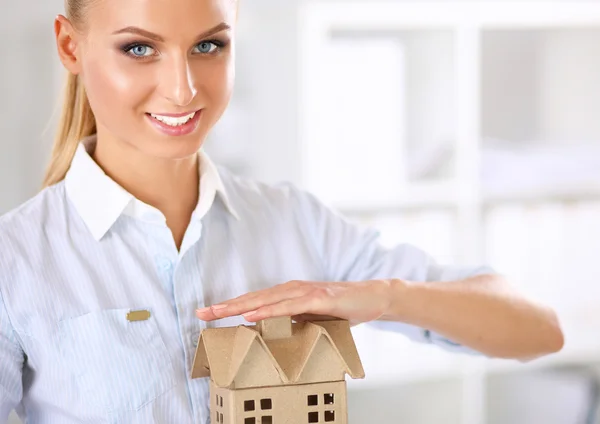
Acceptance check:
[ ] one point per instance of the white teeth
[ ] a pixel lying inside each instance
(172, 121)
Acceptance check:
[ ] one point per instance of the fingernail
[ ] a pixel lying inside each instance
(202, 310)
(217, 307)
(247, 314)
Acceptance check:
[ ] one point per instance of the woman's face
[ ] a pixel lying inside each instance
(158, 73)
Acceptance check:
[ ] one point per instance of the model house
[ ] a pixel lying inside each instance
(278, 372)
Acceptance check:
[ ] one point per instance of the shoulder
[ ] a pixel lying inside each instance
(30, 212)
(280, 196)
(21, 226)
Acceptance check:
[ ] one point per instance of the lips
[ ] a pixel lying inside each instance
(175, 124)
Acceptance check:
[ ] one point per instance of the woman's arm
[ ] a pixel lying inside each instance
(482, 313)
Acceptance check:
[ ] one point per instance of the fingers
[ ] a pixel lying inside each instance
(209, 313)
(299, 306)
(250, 302)
(356, 302)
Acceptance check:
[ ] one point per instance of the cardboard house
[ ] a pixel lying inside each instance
(278, 372)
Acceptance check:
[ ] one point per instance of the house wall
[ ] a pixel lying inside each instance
(221, 405)
(290, 404)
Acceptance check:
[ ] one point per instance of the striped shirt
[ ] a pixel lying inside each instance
(82, 254)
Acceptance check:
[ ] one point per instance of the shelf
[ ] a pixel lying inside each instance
(418, 15)
(582, 192)
(443, 194)
(436, 197)
(417, 376)
(566, 358)
(466, 366)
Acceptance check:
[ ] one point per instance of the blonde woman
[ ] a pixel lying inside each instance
(135, 217)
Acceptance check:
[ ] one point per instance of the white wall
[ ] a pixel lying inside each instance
(509, 85)
(570, 111)
(28, 80)
(536, 88)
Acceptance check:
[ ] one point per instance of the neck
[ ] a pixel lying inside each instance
(170, 185)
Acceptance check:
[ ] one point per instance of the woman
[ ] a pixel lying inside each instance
(135, 217)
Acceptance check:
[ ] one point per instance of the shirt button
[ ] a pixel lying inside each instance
(164, 264)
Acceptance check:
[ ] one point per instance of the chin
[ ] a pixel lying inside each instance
(177, 147)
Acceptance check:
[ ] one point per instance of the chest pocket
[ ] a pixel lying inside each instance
(119, 364)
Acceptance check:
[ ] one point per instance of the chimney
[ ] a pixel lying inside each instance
(275, 328)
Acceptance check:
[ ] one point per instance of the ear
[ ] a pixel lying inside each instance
(67, 40)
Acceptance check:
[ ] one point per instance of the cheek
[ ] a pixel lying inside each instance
(217, 85)
(113, 88)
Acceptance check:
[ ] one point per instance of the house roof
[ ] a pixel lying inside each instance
(222, 352)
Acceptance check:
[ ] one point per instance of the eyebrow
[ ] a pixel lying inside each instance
(139, 31)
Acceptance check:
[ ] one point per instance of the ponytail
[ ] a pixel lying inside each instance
(77, 121)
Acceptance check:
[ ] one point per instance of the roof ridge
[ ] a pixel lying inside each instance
(253, 335)
(305, 360)
(237, 357)
(322, 332)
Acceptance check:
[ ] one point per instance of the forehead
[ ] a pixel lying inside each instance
(166, 17)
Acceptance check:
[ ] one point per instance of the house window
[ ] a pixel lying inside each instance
(328, 398)
(249, 406)
(313, 400)
(266, 404)
(266, 420)
(329, 416)
(218, 419)
(313, 417)
(250, 420)
(221, 416)
(221, 401)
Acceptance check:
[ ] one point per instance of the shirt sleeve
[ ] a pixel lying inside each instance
(11, 365)
(353, 253)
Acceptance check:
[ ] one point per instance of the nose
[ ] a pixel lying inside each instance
(178, 83)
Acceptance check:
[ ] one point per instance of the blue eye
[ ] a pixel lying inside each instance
(207, 47)
(140, 50)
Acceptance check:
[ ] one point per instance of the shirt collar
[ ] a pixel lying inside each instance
(210, 185)
(100, 201)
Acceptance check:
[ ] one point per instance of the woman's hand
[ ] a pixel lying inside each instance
(355, 302)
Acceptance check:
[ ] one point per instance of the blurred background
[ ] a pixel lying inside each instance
(467, 128)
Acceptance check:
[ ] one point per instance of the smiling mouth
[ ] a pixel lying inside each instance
(174, 121)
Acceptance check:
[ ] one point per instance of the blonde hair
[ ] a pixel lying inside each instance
(77, 120)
